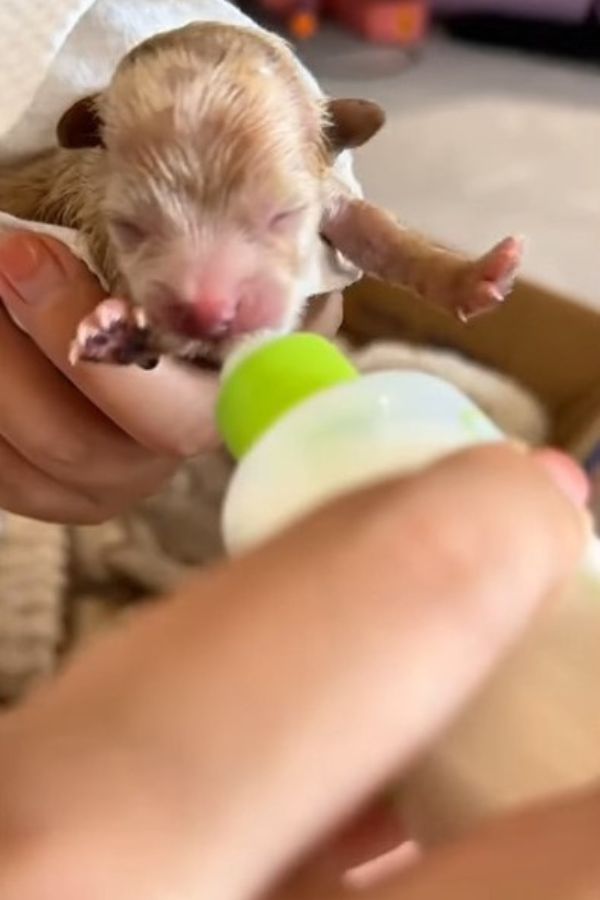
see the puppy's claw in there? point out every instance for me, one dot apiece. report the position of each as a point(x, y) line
point(140, 318)
point(490, 280)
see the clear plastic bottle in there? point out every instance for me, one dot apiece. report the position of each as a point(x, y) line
point(306, 427)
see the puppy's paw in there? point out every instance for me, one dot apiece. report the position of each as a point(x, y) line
point(490, 280)
point(114, 333)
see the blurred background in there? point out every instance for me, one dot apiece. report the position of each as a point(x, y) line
point(493, 117)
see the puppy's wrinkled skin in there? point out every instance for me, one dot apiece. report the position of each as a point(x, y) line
point(201, 178)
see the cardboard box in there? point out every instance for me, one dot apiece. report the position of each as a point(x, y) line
point(548, 342)
point(533, 731)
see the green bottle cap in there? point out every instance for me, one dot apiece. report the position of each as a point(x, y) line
point(263, 382)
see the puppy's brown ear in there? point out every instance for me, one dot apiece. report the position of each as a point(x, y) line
point(81, 125)
point(351, 123)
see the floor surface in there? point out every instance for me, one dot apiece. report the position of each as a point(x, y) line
point(480, 143)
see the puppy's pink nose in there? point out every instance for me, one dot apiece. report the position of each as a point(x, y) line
point(212, 313)
point(198, 319)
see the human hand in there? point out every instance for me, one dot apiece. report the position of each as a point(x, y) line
point(80, 444)
point(209, 746)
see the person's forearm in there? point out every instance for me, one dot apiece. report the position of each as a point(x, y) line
point(281, 674)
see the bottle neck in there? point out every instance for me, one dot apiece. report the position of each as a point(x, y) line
point(267, 377)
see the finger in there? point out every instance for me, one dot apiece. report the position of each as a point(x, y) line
point(361, 633)
point(566, 474)
point(52, 425)
point(49, 291)
point(353, 855)
point(27, 491)
point(312, 883)
point(375, 832)
point(550, 852)
point(391, 864)
point(374, 845)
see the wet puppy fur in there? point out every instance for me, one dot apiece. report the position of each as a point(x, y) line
point(202, 177)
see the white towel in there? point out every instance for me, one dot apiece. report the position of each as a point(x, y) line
point(56, 52)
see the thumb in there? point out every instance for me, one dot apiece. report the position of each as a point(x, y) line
point(46, 290)
point(34, 271)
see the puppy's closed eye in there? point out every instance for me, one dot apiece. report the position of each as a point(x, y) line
point(286, 219)
point(127, 232)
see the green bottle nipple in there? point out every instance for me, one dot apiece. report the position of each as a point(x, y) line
point(264, 380)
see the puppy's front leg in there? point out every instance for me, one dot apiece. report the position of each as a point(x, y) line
point(375, 242)
point(115, 333)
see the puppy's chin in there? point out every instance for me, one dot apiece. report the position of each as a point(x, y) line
point(200, 354)
point(201, 362)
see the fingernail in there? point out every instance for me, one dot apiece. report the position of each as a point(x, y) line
point(378, 871)
point(29, 267)
point(566, 474)
point(19, 258)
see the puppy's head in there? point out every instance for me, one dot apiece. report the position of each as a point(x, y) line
point(216, 159)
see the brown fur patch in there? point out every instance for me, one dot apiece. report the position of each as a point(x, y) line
point(81, 125)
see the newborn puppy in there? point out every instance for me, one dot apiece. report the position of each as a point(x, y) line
point(202, 177)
